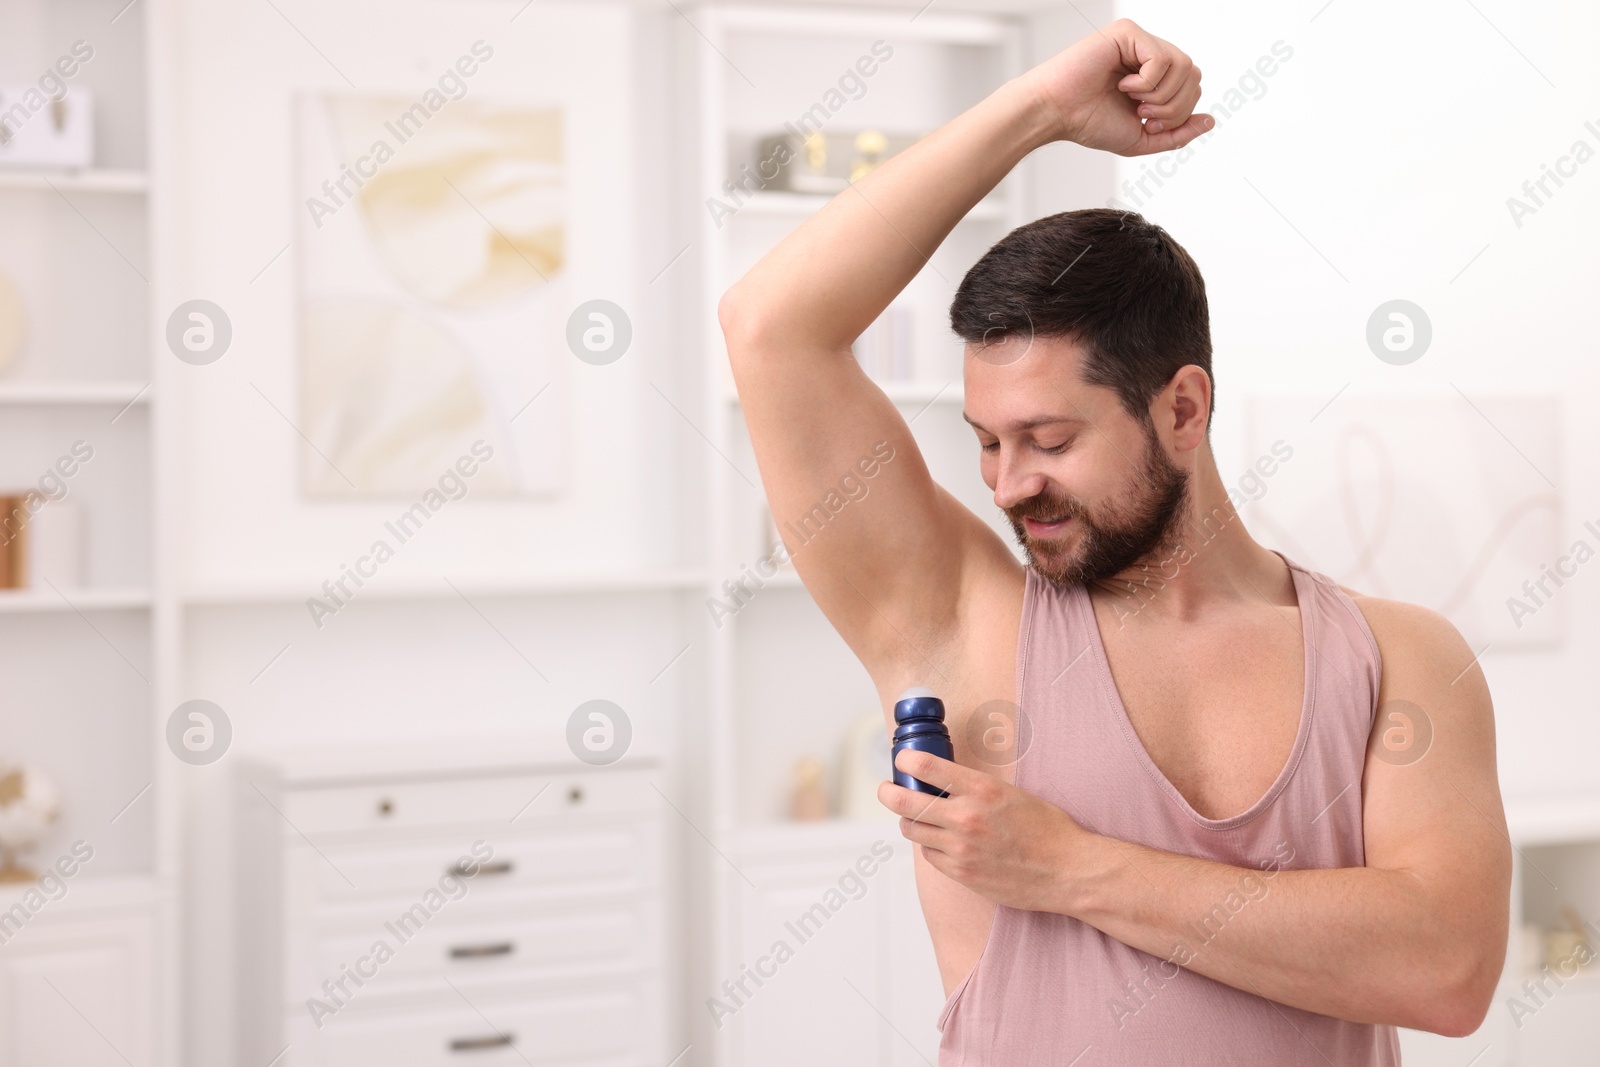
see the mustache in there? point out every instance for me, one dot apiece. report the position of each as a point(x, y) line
point(1047, 506)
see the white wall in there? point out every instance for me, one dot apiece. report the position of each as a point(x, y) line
point(1391, 141)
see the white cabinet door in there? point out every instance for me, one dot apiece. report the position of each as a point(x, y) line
point(76, 994)
point(1560, 1032)
point(915, 992)
point(846, 970)
point(817, 1003)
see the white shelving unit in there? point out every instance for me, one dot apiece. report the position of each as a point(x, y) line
point(135, 182)
point(60, 394)
point(665, 581)
point(90, 664)
point(799, 205)
point(782, 684)
point(21, 602)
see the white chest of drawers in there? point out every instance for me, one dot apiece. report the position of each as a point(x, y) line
point(450, 909)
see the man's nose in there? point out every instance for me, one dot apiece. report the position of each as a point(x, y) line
point(1017, 479)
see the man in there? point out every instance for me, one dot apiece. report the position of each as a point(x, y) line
point(1243, 814)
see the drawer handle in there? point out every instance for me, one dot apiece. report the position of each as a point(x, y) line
point(498, 867)
point(473, 952)
point(478, 1044)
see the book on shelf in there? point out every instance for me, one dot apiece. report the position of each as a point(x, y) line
point(13, 528)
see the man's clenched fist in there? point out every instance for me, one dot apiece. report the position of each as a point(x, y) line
point(1101, 88)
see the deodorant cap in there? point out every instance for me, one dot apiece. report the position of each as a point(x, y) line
point(918, 702)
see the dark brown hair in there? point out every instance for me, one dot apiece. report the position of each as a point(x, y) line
point(1117, 284)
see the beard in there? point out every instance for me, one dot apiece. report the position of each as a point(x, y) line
point(1117, 535)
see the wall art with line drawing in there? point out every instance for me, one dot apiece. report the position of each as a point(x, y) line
point(1446, 500)
point(431, 245)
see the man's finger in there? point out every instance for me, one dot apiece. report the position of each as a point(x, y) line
point(1151, 71)
point(936, 770)
point(1180, 107)
point(1167, 140)
point(932, 838)
point(910, 804)
point(1171, 84)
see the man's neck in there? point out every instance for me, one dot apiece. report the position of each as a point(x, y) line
point(1209, 560)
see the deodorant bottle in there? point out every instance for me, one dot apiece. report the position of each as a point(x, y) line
point(919, 724)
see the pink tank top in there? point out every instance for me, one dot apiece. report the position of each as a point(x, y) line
point(1052, 990)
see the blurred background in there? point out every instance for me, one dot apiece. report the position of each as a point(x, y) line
point(394, 661)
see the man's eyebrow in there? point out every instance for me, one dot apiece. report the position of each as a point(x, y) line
point(1028, 424)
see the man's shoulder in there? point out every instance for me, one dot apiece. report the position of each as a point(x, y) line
point(1401, 619)
point(1417, 644)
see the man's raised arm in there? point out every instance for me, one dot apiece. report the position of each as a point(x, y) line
point(889, 574)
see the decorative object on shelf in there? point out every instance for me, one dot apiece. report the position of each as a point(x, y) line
point(1575, 923)
point(13, 322)
point(13, 541)
point(38, 131)
point(1569, 947)
point(424, 326)
point(863, 765)
point(1565, 949)
point(884, 347)
point(808, 801)
point(29, 806)
point(819, 162)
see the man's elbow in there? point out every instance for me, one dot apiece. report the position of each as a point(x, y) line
point(738, 318)
point(1461, 994)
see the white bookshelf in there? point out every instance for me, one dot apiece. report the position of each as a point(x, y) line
point(971, 53)
point(911, 393)
point(450, 587)
point(23, 602)
point(115, 181)
point(781, 683)
point(89, 664)
point(61, 394)
point(798, 205)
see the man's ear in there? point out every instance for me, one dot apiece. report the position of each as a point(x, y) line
point(1187, 404)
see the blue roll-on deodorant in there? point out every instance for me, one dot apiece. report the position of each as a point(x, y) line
point(919, 724)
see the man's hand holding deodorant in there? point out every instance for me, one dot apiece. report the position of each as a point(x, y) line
point(999, 841)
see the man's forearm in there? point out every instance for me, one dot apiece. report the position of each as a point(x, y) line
point(1359, 943)
point(825, 283)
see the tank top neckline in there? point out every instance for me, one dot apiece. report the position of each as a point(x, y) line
point(1102, 666)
